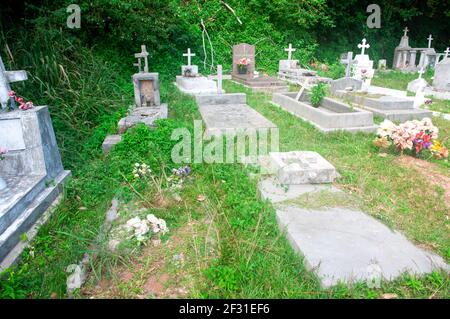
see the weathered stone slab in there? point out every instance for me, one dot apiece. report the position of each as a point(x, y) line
point(110, 141)
point(273, 190)
point(228, 118)
point(144, 115)
point(221, 99)
point(33, 173)
point(346, 245)
point(302, 167)
point(196, 85)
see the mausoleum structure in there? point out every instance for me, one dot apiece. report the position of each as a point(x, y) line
point(406, 57)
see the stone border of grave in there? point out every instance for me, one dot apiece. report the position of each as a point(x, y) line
point(330, 117)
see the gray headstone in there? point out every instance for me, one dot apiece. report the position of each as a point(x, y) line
point(244, 50)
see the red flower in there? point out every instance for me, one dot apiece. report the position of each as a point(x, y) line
point(19, 99)
point(12, 93)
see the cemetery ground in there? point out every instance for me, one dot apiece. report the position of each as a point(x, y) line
point(224, 240)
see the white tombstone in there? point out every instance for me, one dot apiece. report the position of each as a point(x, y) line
point(363, 70)
point(7, 77)
point(419, 83)
point(382, 64)
point(441, 81)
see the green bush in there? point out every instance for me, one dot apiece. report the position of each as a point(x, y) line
point(318, 92)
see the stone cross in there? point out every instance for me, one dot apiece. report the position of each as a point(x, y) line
point(7, 77)
point(430, 38)
point(348, 62)
point(142, 55)
point(363, 46)
point(189, 55)
point(289, 51)
point(303, 86)
point(219, 79)
point(421, 72)
point(406, 31)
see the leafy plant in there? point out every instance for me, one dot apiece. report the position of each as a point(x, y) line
point(318, 92)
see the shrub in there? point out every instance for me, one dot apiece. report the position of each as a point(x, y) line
point(318, 92)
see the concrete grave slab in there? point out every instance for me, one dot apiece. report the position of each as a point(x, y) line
point(228, 113)
point(273, 190)
point(144, 115)
point(110, 141)
point(343, 245)
point(302, 167)
point(196, 85)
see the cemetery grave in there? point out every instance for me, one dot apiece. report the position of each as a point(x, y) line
point(244, 56)
point(290, 71)
point(32, 173)
point(340, 244)
point(191, 82)
point(331, 115)
point(147, 106)
point(379, 101)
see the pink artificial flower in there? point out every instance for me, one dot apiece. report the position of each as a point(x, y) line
point(12, 93)
point(19, 99)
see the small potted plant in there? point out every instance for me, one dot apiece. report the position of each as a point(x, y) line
point(243, 65)
point(3, 151)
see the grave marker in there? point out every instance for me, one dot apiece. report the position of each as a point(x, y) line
point(7, 77)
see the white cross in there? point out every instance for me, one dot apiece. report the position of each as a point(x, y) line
point(406, 31)
point(421, 72)
point(7, 77)
point(142, 55)
point(219, 79)
point(447, 52)
point(189, 55)
point(363, 46)
point(289, 51)
point(430, 38)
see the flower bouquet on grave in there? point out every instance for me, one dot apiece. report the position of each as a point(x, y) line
point(415, 137)
point(22, 104)
point(3, 151)
point(243, 65)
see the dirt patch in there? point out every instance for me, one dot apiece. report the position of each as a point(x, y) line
point(430, 172)
point(155, 284)
point(167, 270)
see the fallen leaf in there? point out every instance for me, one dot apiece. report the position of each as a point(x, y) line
point(382, 155)
point(82, 208)
point(53, 295)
